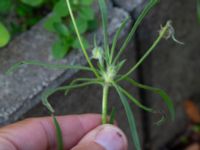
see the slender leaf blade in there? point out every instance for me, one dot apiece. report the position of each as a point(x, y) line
point(116, 37)
point(162, 93)
point(139, 20)
point(112, 115)
point(130, 117)
point(45, 65)
point(134, 100)
point(104, 15)
point(198, 10)
point(60, 145)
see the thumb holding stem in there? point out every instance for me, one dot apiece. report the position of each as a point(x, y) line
point(104, 137)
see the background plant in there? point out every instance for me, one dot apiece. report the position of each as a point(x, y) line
point(107, 73)
point(4, 35)
point(198, 10)
point(59, 22)
point(22, 14)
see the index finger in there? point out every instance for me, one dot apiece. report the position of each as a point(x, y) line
point(39, 133)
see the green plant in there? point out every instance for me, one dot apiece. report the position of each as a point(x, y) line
point(59, 23)
point(21, 15)
point(198, 10)
point(107, 73)
point(4, 35)
point(34, 3)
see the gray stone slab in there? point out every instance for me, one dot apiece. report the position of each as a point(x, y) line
point(21, 91)
point(128, 5)
point(172, 67)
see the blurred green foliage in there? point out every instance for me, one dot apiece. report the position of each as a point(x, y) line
point(21, 15)
point(198, 10)
point(4, 35)
point(59, 22)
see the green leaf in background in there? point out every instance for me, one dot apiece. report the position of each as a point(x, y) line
point(77, 45)
point(61, 9)
point(50, 22)
point(92, 25)
point(61, 29)
point(81, 24)
point(4, 35)
point(198, 10)
point(87, 2)
point(33, 3)
point(60, 49)
point(5, 6)
point(87, 13)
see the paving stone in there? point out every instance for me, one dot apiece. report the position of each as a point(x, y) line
point(175, 68)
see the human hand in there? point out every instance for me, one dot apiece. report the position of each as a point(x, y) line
point(80, 132)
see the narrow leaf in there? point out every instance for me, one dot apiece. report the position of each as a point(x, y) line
point(45, 65)
point(198, 10)
point(104, 16)
point(130, 117)
point(116, 37)
point(49, 92)
point(135, 100)
point(60, 145)
point(162, 93)
point(139, 20)
point(80, 39)
point(83, 80)
point(112, 116)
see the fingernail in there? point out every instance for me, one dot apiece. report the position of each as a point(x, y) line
point(111, 138)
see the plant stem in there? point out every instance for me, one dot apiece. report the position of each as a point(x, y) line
point(80, 39)
point(105, 103)
point(160, 37)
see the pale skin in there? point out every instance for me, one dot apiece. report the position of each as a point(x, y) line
point(39, 133)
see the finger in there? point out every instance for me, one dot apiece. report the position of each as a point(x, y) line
point(105, 137)
point(39, 133)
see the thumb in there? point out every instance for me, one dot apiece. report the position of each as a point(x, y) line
point(104, 137)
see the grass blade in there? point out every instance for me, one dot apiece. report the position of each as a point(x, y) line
point(80, 39)
point(162, 93)
point(135, 100)
point(163, 32)
point(45, 65)
point(49, 92)
point(116, 37)
point(130, 117)
point(198, 10)
point(60, 145)
point(74, 82)
point(104, 16)
point(112, 115)
point(146, 10)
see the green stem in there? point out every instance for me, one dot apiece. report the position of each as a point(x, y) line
point(105, 103)
point(163, 32)
point(80, 39)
